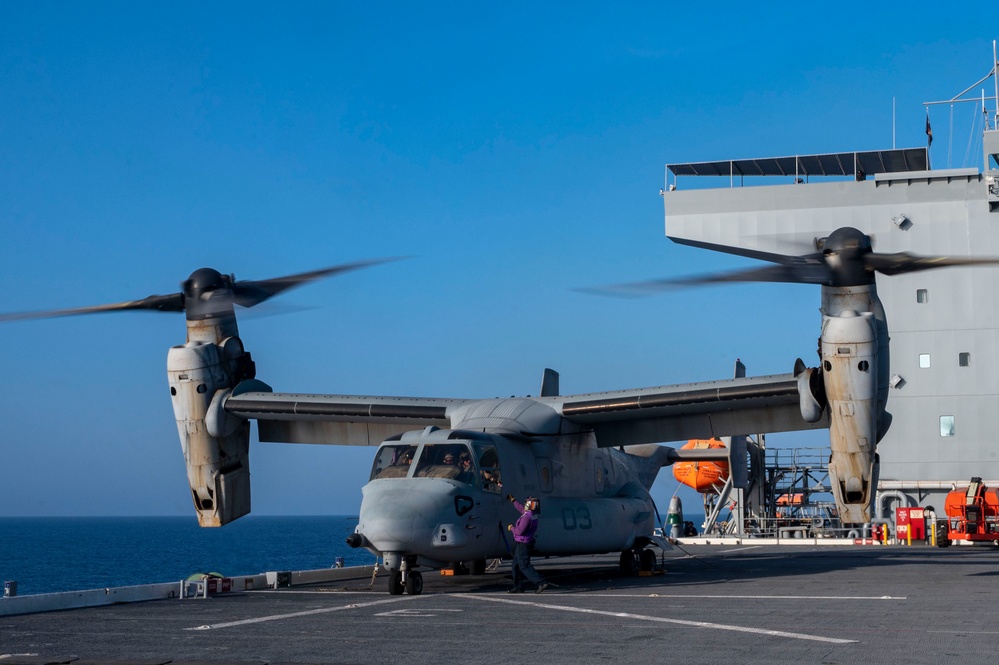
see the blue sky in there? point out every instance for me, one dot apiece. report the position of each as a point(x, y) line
point(514, 151)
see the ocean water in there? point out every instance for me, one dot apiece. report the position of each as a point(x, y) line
point(48, 554)
point(73, 553)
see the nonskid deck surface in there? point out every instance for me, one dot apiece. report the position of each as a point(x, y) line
point(756, 604)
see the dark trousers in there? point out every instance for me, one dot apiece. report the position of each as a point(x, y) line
point(522, 567)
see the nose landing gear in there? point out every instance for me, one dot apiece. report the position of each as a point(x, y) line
point(414, 583)
point(405, 579)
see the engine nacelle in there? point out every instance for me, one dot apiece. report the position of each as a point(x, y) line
point(216, 446)
point(849, 370)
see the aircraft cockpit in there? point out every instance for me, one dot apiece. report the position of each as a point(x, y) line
point(393, 461)
point(478, 465)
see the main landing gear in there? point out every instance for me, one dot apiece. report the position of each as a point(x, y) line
point(639, 561)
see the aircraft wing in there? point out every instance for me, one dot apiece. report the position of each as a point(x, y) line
point(691, 411)
point(619, 418)
point(350, 420)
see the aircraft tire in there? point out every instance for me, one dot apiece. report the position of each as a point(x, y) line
point(414, 583)
point(648, 560)
point(629, 565)
point(395, 583)
point(478, 567)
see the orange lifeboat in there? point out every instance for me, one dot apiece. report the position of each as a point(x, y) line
point(702, 476)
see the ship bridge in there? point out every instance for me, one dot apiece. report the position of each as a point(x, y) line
point(858, 165)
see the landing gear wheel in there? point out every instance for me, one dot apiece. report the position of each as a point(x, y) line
point(647, 561)
point(395, 583)
point(479, 567)
point(414, 583)
point(629, 563)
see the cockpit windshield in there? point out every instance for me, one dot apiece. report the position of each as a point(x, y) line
point(393, 461)
point(446, 460)
point(453, 461)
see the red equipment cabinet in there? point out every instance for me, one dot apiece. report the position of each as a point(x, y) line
point(910, 521)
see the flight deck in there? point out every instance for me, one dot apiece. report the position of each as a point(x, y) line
point(742, 603)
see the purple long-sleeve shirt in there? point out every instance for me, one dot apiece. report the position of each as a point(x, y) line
point(526, 525)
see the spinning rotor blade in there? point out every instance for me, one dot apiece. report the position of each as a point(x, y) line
point(846, 259)
point(206, 292)
point(250, 293)
point(903, 262)
point(805, 272)
point(171, 303)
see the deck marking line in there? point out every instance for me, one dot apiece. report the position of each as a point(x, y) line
point(739, 597)
point(406, 612)
point(681, 622)
point(304, 613)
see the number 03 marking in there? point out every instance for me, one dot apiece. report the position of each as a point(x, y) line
point(578, 518)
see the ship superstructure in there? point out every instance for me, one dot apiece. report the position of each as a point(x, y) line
point(944, 324)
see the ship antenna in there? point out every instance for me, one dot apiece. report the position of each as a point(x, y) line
point(995, 82)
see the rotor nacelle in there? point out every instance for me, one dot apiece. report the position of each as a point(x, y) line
point(215, 445)
point(849, 366)
point(202, 374)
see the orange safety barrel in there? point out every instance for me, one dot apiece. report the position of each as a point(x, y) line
point(702, 476)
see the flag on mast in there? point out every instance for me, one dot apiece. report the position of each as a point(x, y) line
point(929, 130)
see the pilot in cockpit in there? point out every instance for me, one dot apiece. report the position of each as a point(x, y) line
point(406, 458)
point(490, 473)
point(465, 472)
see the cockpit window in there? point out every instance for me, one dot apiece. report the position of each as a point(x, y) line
point(489, 469)
point(446, 460)
point(393, 461)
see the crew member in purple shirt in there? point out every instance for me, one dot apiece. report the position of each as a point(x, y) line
point(524, 532)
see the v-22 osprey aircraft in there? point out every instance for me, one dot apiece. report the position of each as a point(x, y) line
point(435, 496)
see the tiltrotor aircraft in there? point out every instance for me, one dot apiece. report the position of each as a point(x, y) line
point(443, 466)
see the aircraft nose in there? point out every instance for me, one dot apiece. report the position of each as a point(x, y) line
point(398, 519)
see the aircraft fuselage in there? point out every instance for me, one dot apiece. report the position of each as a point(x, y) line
point(439, 496)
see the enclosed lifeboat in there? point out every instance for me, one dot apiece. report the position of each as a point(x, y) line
point(702, 476)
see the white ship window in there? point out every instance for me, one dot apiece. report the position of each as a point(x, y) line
point(946, 425)
point(922, 296)
point(964, 359)
point(924, 360)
